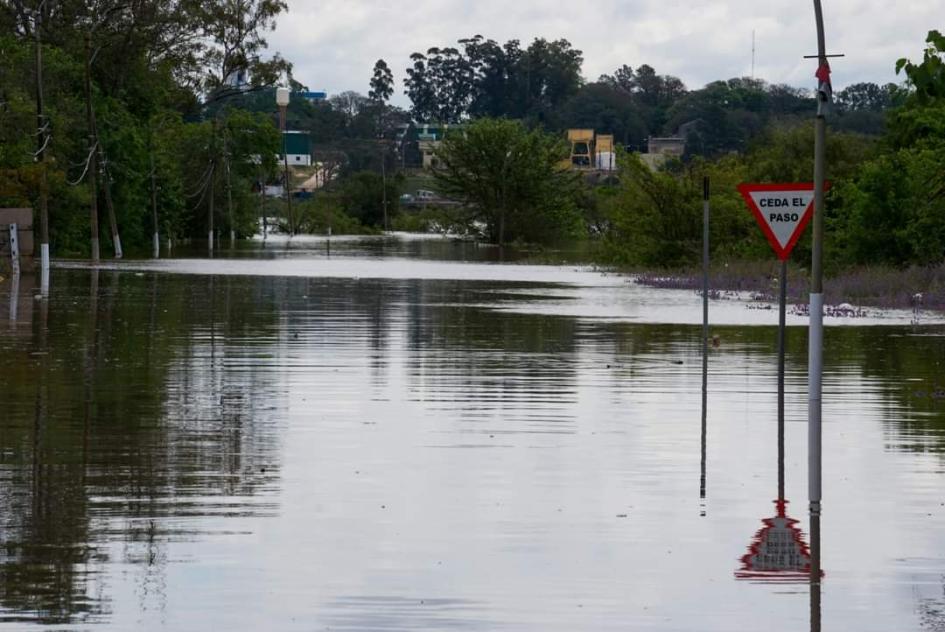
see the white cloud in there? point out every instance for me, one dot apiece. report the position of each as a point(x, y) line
point(334, 45)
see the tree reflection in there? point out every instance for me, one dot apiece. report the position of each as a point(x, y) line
point(122, 409)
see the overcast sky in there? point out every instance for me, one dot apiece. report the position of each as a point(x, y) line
point(334, 45)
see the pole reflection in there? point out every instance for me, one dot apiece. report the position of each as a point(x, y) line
point(778, 553)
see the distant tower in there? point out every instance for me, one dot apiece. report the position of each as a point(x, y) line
point(753, 53)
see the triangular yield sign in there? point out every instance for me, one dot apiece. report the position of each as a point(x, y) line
point(782, 210)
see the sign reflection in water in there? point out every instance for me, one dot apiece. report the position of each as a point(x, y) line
point(185, 451)
point(778, 553)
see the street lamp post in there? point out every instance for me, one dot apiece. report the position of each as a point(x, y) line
point(282, 100)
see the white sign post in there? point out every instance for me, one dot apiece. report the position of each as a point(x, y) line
point(783, 212)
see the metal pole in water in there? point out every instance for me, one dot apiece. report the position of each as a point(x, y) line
point(815, 355)
point(815, 574)
point(782, 308)
point(14, 299)
point(14, 251)
point(705, 271)
point(705, 327)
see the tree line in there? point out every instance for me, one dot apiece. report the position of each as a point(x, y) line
point(136, 118)
point(886, 205)
point(159, 117)
point(542, 85)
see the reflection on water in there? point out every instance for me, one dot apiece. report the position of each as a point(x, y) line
point(193, 451)
point(777, 553)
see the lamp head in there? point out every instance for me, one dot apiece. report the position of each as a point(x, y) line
point(282, 96)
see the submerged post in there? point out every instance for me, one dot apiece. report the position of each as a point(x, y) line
point(705, 327)
point(782, 313)
point(815, 574)
point(705, 269)
point(815, 355)
point(14, 299)
point(14, 251)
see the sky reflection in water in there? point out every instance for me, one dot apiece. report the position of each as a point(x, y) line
point(437, 445)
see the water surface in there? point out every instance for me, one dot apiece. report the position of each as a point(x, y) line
point(416, 435)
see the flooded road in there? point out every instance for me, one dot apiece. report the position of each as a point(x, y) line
point(412, 435)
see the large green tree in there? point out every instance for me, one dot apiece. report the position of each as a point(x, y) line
point(510, 181)
point(486, 79)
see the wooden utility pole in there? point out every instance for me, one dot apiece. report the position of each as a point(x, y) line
point(156, 239)
point(92, 167)
point(107, 188)
point(210, 207)
point(42, 140)
point(384, 187)
point(229, 192)
point(210, 183)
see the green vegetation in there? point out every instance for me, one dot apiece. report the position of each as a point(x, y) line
point(177, 116)
point(152, 116)
point(510, 181)
point(886, 205)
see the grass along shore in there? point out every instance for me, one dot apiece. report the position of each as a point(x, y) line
point(880, 287)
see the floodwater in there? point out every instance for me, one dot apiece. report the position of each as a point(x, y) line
point(411, 434)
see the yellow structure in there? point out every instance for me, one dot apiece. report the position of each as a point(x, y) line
point(604, 142)
point(582, 143)
point(605, 159)
point(590, 150)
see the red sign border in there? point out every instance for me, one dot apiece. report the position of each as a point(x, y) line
point(746, 189)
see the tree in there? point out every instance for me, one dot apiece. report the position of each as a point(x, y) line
point(440, 85)
point(495, 75)
point(349, 103)
point(363, 195)
point(655, 220)
point(510, 180)
point(927, 77)
point(547, 74)
point(233, 33)
point(382, 82)
point(865, 96)
point(651, 93)
point(608, 110)
point(484, 79)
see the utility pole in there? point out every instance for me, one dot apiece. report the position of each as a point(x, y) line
point(42, 140)
point(109, 205)
point(210, 183)
point(93, 150)
point(262, 201)
point(229, 195)
point(384, 187)
point(156, 240)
